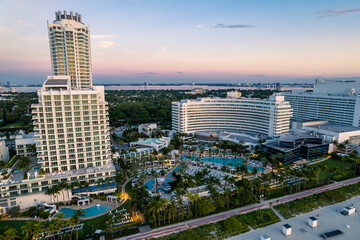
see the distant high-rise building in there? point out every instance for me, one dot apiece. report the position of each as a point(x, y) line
point(70, 50)
point(8, 84)
point(334, 101)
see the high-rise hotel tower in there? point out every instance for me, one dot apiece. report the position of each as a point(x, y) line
point(71, 119)
point(70, 48)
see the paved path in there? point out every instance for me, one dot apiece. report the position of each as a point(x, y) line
point(157, 232)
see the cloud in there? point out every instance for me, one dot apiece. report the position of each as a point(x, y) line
point(336, 12)
point(23, 23)
point(105, 44)
point(179, 72)
point(109, 36)
point(200, 26)
point(150, 73)
point(220, 25)
point(164, 48)
point(6, 30)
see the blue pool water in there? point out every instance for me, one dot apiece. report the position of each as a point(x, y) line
point(175, 170)
point(226, 162)
point(88, 212)
point(150, 184)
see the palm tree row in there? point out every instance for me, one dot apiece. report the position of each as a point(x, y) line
point(53, 230)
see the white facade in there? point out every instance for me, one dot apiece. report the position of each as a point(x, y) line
point(337, 87)
point(25, 144)
point(336, 109)
point(70, 49)
point(331, 132)
point(233, 94)
point(269, 117)
point(147, 128)
point(4, 152)
point(155, 143)
point(72, 126)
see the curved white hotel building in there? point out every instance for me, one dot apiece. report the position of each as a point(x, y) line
point(269, 117)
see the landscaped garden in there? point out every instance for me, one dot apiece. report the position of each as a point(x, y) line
point(259, 218)
point(229, 227)
point(310, 203)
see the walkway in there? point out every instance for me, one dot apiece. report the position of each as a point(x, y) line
point(221, 216)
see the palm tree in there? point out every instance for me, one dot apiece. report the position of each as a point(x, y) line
point(32, 229)
point(71, 224)
point(10, 234)
point(255, 171)
point(52, 230)
point(50, 192)
point(63, 186)
point(77, 215)
point(27, 230)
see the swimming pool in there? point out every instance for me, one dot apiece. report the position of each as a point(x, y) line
point(88, 212)
point(175, 170)
point(150, 184)
point(225, 161)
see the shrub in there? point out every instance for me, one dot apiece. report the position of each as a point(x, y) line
point(231, 225)
point(13, 211)
point(259, 218)
point(43, 214)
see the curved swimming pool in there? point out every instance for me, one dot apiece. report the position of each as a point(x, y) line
point(88, 212)
point(150, 184)
point(224, 161)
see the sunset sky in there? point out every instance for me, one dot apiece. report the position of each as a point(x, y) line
point(190, 41)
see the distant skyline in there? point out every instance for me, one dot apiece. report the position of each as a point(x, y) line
point(164, 41)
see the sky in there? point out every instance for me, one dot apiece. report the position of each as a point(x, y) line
point(185, 41)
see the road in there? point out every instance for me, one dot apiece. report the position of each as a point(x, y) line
point(157, 232)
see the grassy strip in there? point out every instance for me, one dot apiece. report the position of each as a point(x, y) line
point(308, 204)
point(229, 227)
point(16, 124)
point(259, 218)
point(219, 230)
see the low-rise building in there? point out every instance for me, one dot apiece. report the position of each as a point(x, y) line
point(147, 128)
point(4, 152)
point(155, 143)
point(25, 145)
point(296, 146)
point(331, 132)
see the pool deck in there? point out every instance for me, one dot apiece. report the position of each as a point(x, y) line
point(95, 201)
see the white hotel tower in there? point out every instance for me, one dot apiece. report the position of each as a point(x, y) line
point(71, 119)
point(269, 117)
point(71, 127)
point(70, 49)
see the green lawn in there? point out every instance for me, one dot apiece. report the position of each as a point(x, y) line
point(13, 125)
point(16, 224)
point(89, 225)
point(333, 163)
point(259, 218)
point(128, 187)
